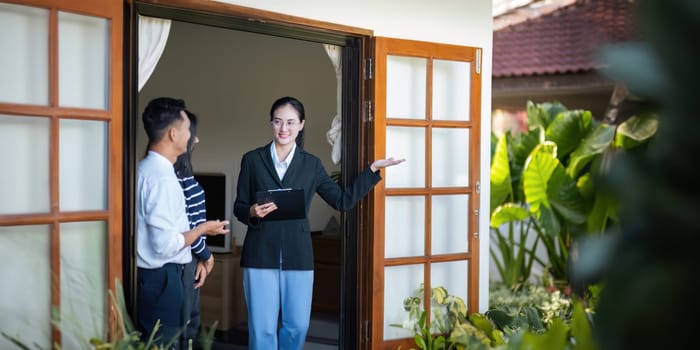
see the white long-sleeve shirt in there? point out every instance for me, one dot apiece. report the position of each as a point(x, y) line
point(160, 214)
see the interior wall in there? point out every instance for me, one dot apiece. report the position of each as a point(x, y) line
point(229, 79)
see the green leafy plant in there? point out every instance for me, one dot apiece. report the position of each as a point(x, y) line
point(449, 326)
point(125, 336)
point(650, 262)
point(543, 182)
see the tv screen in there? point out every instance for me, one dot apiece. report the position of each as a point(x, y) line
point(214, 186)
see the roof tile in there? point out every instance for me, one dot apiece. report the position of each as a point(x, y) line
point(562, 41)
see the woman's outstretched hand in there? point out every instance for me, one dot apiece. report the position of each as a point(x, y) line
point(383, 163)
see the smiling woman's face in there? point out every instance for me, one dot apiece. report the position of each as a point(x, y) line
point(286, 125)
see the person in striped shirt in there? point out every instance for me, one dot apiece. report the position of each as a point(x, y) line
point(202, 263)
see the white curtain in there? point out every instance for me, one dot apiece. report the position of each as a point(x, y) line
point(333, 135)
point(153, 35)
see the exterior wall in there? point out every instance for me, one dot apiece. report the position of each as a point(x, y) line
point(467, 23)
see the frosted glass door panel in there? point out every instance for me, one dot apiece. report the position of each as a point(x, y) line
point(450, 222)
point(83, 168)
point(408, 143)
point(405, 87)
point(83, 61)
point(405, 226)
point(400, 282)
point(25, 298)
point(24, 62)
point(450, 157)
point(451, 90)
point(83, 282)
point(24, 151)
point(453, 276)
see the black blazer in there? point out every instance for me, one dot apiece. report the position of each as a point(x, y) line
point(266, 239)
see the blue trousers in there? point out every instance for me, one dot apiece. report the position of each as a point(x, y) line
point(276, 295)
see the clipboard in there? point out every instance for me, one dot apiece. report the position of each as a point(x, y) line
point(290, 203)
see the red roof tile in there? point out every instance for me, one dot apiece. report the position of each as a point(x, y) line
point(563, 41)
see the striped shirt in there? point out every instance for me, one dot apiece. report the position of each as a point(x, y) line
point(196, 213)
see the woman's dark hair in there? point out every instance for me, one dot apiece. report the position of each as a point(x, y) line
point(298, 106)
point(183, 164)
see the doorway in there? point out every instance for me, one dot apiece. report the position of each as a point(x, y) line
point(229, 71)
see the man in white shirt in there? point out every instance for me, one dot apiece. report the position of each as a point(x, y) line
point(163, 237)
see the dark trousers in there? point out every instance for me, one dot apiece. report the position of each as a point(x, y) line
point(192, 306)
point(161, 296)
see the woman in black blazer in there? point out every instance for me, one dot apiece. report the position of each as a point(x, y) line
point(277, 258)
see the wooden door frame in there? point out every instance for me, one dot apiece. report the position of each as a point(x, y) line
point(430, 51)
point(112, 115)
point(357, 140)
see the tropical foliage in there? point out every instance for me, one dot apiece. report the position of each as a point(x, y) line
point(124, 336)
point(649, 266)
point(544, 182)
point(506, 327)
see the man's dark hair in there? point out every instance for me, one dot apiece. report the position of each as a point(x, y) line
point(159, 114)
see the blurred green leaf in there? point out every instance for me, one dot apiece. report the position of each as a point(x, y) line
point(501, 188)
point(568, 129)
point(508, 212)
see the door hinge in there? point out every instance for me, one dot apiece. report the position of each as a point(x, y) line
point(478, 61)
point(369, 69)
point(478, 187)
point(369, 111)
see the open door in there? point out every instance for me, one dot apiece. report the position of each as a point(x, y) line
point(61, 138)
point(427, 102)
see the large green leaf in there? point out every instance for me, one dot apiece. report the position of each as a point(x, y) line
point(636, 130)
point(501, 188)
point(536, 174)
point(594, 142)
point(586, 186)
point(565, 197)
point(581, 329)
point(553, 338)
point(549, 221)
point(604, 208)
point(524, 143)
point(508, 212)
point(568, 129)
point(540, 115)
point(520, 149)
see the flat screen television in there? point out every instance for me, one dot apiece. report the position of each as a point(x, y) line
point(214, 185)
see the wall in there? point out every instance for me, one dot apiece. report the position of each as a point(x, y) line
point(229, 79)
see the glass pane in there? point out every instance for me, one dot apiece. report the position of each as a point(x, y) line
point(83, 282)
point(404, 226)
point(24, 62)
point(451, 90)
point(83, 165)
point(83, 61)
point(25, 298)
point(450, 224)
point(24, 148)
point(453, 276)
point(400, 282)
point(408, 143)
point(405, 87)
point(450, 157)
